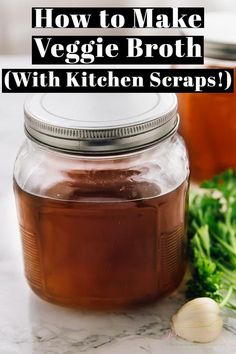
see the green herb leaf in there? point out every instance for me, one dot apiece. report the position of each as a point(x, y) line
point(212, 239)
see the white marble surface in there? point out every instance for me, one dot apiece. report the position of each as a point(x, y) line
point(29, 325)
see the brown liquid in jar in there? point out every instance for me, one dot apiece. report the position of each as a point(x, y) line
point(99, 248)
point(208, 125)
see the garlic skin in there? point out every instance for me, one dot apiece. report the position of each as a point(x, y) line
point(198, 320)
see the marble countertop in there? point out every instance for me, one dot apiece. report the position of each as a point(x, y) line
point(29, 325)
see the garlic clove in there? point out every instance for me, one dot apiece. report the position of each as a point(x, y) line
point(198, 321)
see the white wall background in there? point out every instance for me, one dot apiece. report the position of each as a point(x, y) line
point(15, 16)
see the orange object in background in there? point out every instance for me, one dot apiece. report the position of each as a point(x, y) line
point(208, 121)
point(209, 127)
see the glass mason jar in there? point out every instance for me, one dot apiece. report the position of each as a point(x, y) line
point(208, 121)
point(101, 187)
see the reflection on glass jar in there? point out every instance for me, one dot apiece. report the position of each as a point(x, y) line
point(208, 121)
point(101, 186)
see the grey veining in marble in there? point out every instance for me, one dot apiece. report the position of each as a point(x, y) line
point(29, 325)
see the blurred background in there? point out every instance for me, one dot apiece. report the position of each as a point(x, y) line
point(15, 16)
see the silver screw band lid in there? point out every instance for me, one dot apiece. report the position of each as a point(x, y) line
point(219, 35)
point(100, 123)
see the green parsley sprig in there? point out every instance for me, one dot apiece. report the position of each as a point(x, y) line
point(212, 240)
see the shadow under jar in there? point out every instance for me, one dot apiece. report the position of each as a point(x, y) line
point(208, 120)
point(101, 188)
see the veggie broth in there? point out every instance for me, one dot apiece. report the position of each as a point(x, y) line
point(141, 254)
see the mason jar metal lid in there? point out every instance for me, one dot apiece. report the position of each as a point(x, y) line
point(100, 123)
point(219, 35)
